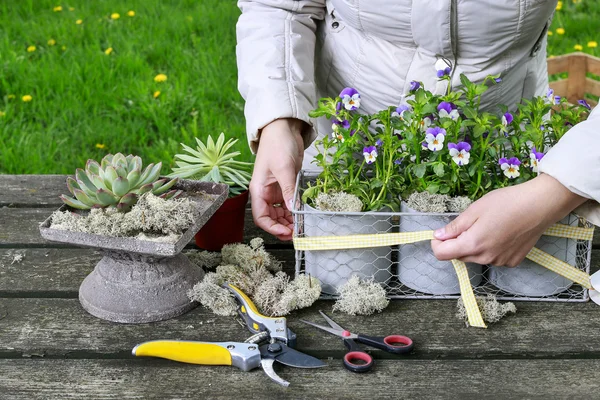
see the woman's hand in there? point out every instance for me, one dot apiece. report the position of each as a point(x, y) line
point(278, 160)
point(504, 225)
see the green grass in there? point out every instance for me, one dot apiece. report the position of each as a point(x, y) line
point(83, 99)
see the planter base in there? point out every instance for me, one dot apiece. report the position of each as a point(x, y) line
point(135, 288)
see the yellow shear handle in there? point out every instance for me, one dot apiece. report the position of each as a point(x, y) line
point(187, 352)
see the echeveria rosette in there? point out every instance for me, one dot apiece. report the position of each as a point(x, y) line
point(510, 167)
point(460, 152)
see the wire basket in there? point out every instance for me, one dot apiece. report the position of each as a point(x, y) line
point(412, 271)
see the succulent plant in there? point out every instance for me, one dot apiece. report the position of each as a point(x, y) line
point(211, 162)
point(117, 181)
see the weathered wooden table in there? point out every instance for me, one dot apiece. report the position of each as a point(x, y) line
point(51, 348)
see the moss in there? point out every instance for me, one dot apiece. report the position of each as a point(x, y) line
point(151, 216)
point(205, 259)
point(338, 202)
point(274, 295)
point(491, 310)
point(361, 297)
point(437, 203)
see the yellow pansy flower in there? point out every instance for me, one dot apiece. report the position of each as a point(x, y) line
point(108, 51)
point(31, 49)
point(593, 43)
point(560, 31)
point(578, 47)
point(156, 94)
point(51, 42)
point(131, 13)
point(27, 98)
point(160, 78)
point(115, 16)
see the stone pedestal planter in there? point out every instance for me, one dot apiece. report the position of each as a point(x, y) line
point(418, 268)
point(142, 280)
point(334, 267)
point(531, 279)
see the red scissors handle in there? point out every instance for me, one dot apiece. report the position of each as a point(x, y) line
point(396, 344)
point(357, 360)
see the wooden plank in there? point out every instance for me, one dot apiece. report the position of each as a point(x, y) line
point(20, 228)
point(593, 65)
point(158, 379)
point(61, 328)
point(560, 87)
point(59, 272)
point(557, 65)
point(577, 71)
point(32, 190)
point(592, 86)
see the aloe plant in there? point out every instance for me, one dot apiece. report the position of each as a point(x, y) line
point(117, 181)
point(214, 162)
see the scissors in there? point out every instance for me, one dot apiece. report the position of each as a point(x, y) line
point(396, 344)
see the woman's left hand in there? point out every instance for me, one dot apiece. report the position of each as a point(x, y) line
point(504, 225)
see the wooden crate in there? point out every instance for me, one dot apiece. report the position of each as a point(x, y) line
point(577, 84)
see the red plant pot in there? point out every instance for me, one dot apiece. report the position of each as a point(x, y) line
point(225, 226)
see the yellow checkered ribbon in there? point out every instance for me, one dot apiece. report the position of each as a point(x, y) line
point(544, 259)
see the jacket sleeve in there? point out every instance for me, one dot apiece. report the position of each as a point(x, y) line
point(275, 59)
point(575, 162)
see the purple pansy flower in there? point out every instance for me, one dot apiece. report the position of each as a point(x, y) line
point(460, 152)
point(378, 143)
point(370, 153)
point(400, 111)
point(535, 158)
point(556, 100)
point(584, 103)
point(510, 167)
point(336, 124)
point(435, 138)
point(350, 98)
point(397, 161)
point(507, 119)
point(414, 85)
point(550, 94)
point(447, 110)
point(443, 72)
point(498, 80)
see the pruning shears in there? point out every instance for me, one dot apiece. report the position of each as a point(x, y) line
point(271, 341)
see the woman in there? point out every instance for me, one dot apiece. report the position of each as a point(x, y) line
point(291, 52)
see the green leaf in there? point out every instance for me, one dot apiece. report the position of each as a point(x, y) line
point(120, 186)
point(472, 169)
point(439, 169)
point(469, 112)
point(106, 198)
point(465, 81)
point(73, 202)
point(444, 189)
point(420, 170)
point(492, 152)
point(433, 188)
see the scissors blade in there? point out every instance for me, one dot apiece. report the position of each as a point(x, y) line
point(331, 322)
point(333, 331)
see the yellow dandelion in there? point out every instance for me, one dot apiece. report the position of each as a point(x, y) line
point(64, 48)
point(71, 8)
point(108, 51)
point(156, 94)
point(592, 44)
point(11, 97)
point(560, 31)
point(27, 98)
point(559, 6)
point(115, 16)
point(100, 145)
point(578, 47)
point(57, 9)
point(160, 78)
point(51, 42)
point(2, 114)
point(79, 22)
point(31, 49)
point(131, 13)
point(550, 33)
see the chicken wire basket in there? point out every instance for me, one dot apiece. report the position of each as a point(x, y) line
point(411, 271)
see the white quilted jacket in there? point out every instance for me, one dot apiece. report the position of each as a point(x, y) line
point(291, 52)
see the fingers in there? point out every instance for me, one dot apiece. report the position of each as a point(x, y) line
point(265, 217)
point(459, 225)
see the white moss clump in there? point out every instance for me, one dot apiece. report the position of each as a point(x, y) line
point(205, 259)
point(338, 202)
point(437, 203)
point(151, 215)
point(247, 269)
point(250, 258)
point(211, 294)
point(491, 310)
point(361, 297)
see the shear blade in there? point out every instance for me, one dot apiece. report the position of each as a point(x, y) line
point(267, 366)
point(294, 358)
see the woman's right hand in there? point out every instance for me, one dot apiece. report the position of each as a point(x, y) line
point(278, 160)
